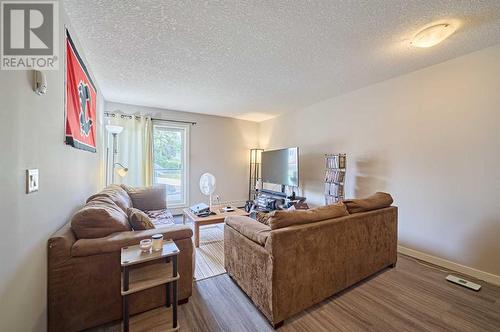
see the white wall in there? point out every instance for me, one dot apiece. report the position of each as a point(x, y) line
point(218, 145)
point(430, 138)
point(31, 136)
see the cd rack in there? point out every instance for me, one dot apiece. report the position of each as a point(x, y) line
point(335, 177)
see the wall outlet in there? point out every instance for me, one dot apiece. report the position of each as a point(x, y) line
point(31, 180)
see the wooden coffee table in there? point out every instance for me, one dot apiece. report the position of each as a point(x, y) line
point(216, 218)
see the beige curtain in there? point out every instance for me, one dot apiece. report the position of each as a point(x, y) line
point(148, 155)
point(135, 149)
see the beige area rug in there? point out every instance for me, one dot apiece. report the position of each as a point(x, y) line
point(210, 254)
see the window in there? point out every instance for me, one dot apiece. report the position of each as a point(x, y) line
point(171, 160)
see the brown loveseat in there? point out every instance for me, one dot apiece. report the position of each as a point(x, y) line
point(84, 273)
point(297, 262)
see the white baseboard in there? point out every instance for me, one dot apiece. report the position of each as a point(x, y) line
point(478, 274)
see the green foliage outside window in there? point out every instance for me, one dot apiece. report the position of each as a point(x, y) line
point(167, 149)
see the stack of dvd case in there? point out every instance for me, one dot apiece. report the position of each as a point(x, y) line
point(335, 177)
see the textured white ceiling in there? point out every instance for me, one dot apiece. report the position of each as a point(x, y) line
point(257, 59)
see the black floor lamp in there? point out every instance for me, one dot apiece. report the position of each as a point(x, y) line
point(255, 160)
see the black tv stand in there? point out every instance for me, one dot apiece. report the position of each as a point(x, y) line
point(282, 194)
point(269, 200)
point(273, 193)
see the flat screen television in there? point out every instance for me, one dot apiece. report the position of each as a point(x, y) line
point(281, 167)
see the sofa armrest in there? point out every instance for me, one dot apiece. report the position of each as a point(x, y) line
point(116, 241)
point(251, 266)
point(313, 261)
point(249, 228)
point(60, 244)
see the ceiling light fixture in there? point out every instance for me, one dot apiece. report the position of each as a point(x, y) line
point(432, 35)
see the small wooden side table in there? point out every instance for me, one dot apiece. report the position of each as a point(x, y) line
point(138, 278)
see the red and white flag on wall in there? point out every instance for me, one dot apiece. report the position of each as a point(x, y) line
point(80, 101)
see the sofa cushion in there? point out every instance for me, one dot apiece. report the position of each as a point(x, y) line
point(376, 201)
point(98, 218)
point(139, 220)
point(161, 217)
point(148, 198)
point(283, 218)
point(250, 228)
point(117, 194)
point(114, 242)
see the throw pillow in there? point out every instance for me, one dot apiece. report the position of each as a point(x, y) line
point(376, 201)
point(263, 217)
point(148, 198)
point(160, 218)
point(139, 220)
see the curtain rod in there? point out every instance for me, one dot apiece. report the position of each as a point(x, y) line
point(111, 114)
point(177, 121)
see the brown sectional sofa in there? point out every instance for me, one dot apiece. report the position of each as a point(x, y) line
point(286, 270)
point(84, 274)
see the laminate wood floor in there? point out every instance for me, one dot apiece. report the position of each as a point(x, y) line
point(411, 297)
point(210, 255)
point(209, 260)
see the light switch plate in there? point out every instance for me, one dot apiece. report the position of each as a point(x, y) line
point(31, 180)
